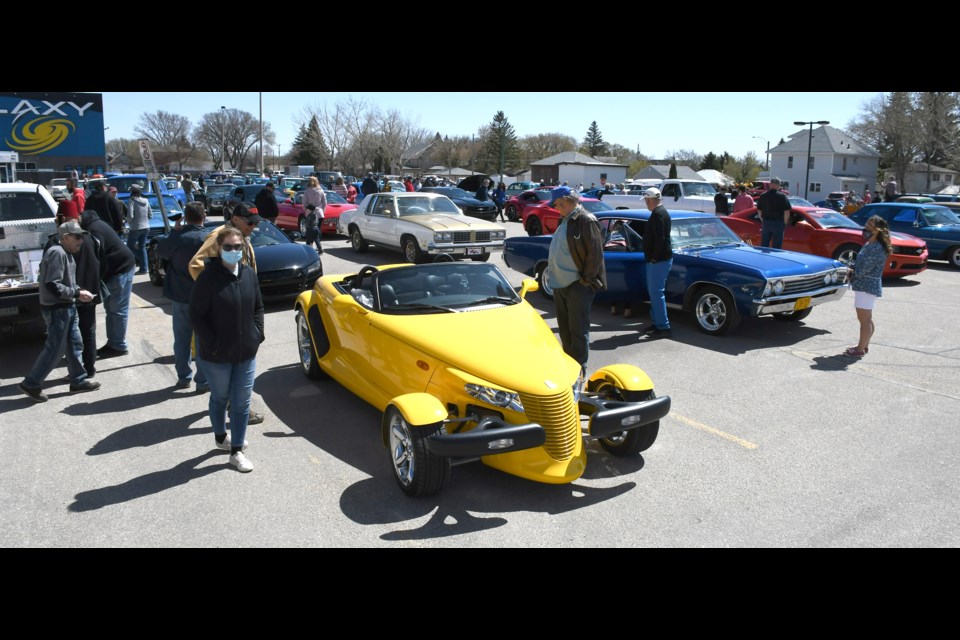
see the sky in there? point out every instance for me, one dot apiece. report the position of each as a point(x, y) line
point(655, 122)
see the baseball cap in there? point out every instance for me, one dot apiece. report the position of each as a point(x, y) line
point(774, 180)
point(248, 216)
point(653, 193)
point(71, 227)
point(558, 193)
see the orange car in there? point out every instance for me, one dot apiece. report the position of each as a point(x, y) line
point(829, 233)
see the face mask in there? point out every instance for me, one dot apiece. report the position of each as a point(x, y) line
point(867, 233)
point(231, 258)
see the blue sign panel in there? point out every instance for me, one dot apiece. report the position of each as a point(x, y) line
point(52, 124)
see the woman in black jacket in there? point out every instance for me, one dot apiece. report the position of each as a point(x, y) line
point(226, 312)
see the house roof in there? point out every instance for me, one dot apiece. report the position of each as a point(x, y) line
point(921, 167)
point(567, 157)
point(716, 177)
point(662, 171)
point(825, 139)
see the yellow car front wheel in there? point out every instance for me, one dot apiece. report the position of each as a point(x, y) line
point(633, 441)
point(419, 472)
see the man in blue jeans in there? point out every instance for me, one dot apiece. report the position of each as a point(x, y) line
point(658, 253)
point(774, 208)
point(116, 271)
point(177, 249)
point(59, 293)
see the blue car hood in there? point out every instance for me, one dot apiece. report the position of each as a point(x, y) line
point(772, 262)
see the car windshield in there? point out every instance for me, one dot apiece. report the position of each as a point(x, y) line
point(695, 189)
point(796, 201)
point(220, 190)
point(593, 206)
point(443, 287)
point(700, 233)
point(122, 183)
point(419, 205)
point(266, 234)
point(333, 198)
point(940, 215)
point(453, 192)
point(169, 202)
point(830, 219)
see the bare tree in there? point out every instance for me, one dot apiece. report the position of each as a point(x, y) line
point(936, 114)
point(453, 151)
point(169, 132)
point(123, 154)
point(544, 145)
point(685, 157)
point(745, 169)
point(210, 135)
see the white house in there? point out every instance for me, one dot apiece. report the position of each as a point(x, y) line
point(576, 168)
point(837, 163)
point(915, 179)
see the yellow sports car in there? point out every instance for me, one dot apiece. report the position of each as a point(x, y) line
point(425, 345)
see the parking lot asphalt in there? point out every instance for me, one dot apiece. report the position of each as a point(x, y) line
point(775, 439)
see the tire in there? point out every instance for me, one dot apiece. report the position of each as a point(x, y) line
point(482, 258)
point(357, 242)
point(153, 268)
point(543, 279)
point(534, 228)
point(308, 355)
point(846, 253)
point(792, 316)
point(302, 226)
point(953, 255)
point(418, 472)
point(411, 250)
point(715, 311)
point(512, 213)
point(633, 441)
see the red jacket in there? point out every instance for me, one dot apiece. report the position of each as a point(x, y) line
point(409, 185)
point(67, 210)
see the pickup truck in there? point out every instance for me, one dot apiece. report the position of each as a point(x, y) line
point(685, 195)
point(27, 219)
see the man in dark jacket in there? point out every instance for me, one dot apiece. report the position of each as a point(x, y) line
point(369, 185)
point(106, 205)
point(577, 271)
point(720, 203)
point(116, 272)
point(266, 203)
point(658, 253)
point(774, 209)
point(176, 250)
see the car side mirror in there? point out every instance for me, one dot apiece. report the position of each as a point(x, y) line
point(528, 285)
point(676, 197)
point(916, 223)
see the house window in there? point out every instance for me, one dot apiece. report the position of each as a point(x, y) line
point(844, 164)
point(935, 177)
point(26, 166)
point(815, 187)
point(789, 162)
point(785, 185)
point(854, 161)
point(948, 178)
point(810, 162)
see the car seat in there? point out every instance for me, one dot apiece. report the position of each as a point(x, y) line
point(388, 297)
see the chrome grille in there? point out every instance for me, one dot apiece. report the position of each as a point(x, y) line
point(802, 284)
point(560, 419)
point(907, 251)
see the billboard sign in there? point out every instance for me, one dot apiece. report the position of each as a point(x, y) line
point(52, 124)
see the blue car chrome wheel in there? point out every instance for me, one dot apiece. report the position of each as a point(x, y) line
point(715, 310)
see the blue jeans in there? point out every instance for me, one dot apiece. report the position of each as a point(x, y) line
point(117, 307)
point(63, 338)
point(137, 242)
point(233, 382)
point(182, 339)
point(772, 229)
point(573, 319)
point(656, 273)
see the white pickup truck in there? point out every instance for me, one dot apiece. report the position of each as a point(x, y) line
point(685, 195)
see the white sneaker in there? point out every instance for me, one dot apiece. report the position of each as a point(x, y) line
point(240, 462)
point(226, 446)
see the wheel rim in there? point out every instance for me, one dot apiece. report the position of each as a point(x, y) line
point(511, 212)
point(534, 225)
point(401, 447)
point(711, 312)
point(545, 281)
point(609, 392)
point(955, 256)
point(303, 226)
point(355, 239)
point(847, 256)
point(304, 342)
point(410, 250)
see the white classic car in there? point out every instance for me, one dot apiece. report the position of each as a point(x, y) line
point(419, 225)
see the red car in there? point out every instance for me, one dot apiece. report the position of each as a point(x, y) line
point(292, 217)
point(516, 204)
point(541, 218)
point(828, 233)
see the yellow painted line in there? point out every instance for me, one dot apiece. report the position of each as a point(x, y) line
point(746, 444)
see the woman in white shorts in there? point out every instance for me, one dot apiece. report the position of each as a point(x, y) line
point(866, 283)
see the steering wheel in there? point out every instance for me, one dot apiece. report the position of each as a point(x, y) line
point(363, 273)
point(415, 210)
point(444, 257)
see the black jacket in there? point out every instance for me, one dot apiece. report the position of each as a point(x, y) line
point(266, 204)
point(656, 236)
point(177, 249)
point(772, 204)
point(721, 204)
point(369, 186)
point(226, 313)
point(115, 256)
point(109, 209)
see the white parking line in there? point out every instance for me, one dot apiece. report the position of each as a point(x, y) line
point(746, 444)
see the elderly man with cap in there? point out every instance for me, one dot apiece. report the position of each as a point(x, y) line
point(658, 254)
point(576, 269)
point(774, 208)
point(59, 293)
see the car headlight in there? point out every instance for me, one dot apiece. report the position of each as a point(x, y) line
point(767, 289)
point(830, 277)
point(314, 268)
point(496, 397)
point(443, 236)
point(498, 235)
point(778, 287)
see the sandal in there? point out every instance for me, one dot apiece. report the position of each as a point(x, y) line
point(855, 352)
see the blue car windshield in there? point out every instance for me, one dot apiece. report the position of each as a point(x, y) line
point(940, 215)
point(699, 233)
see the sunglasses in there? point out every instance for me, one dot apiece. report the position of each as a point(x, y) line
point(232, 247)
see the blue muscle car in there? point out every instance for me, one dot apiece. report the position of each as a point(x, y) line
point(715, 275)
point(931, 221)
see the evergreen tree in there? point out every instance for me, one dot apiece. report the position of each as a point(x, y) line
point(673, 171)
point(711, 161)
point(297, 150)
point(500, 144)
point(593, 144)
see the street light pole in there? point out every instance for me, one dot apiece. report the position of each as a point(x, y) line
point(768, 153)
point(223, 140)
point(806, 181)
